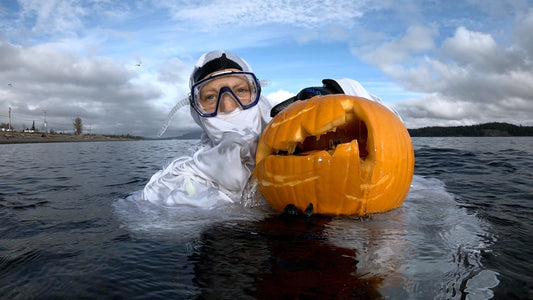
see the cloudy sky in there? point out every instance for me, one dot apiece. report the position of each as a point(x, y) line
point(122, 65)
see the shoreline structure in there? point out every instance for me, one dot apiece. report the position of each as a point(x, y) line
point(37, 137)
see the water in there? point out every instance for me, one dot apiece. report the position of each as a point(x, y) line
point(67, 230)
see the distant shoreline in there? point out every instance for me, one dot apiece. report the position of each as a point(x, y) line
point(480, 130)
point(36, 137)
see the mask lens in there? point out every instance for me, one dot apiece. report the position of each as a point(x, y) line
point(242, 87)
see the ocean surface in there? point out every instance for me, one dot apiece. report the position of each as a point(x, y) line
point(69, 230)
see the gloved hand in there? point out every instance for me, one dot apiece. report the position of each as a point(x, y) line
point(330, 87)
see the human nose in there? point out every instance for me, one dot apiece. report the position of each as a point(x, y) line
point(227, 103)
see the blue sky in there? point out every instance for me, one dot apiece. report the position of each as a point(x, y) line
point(122, 65)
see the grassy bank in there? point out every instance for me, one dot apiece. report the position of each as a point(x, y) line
point(19, 137)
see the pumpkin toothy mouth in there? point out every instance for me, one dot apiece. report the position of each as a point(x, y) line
point(353, 129)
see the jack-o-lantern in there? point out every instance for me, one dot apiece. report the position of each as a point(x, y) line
point(346, 155)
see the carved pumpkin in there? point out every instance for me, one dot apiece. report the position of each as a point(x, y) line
point(346, 155)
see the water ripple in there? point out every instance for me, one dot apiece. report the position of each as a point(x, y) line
point(67, 230)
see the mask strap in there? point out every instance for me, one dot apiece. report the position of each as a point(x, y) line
point(182, 103)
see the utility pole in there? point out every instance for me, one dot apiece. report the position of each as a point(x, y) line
point(44, 123)
point(10, 119)
point(10, 126)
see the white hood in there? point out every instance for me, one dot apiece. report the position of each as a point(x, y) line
point(354, 88)
point(222, 164)
point(240, 121)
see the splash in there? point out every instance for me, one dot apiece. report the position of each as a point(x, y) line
point(184, 221)
point(430, 247)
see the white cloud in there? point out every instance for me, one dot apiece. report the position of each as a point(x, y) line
point(69, 17)
point(77, 57)
point(500, 8)
point(470, 76)
point(279, 96)
point(438, 110)
point(476, 49)
point(212, 15)
point(523, 36)
point(173, 72)
point(417, 40)
point(100, 90)
point(53, 16)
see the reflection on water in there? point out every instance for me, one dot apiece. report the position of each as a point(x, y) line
point(277, 257)
point(427, 248)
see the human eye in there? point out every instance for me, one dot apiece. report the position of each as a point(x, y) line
point(242, 90)
point(210, 98)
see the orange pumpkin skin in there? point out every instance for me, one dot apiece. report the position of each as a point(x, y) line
point(346, 155)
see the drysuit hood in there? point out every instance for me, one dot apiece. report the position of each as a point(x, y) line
point(238, 121)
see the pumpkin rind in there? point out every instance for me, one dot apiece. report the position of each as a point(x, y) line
point(367, 169)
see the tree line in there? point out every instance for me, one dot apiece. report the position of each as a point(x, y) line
point(486, 129)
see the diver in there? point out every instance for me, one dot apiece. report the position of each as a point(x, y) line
point(226, 102)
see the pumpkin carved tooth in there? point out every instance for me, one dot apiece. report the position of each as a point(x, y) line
point(343, 154)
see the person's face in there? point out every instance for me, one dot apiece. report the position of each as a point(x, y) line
point(209, 93)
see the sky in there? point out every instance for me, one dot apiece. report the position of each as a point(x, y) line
point(121, 66)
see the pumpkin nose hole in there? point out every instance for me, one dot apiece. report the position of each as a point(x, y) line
point(354, 130)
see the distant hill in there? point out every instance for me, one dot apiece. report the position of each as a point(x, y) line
point(15, 137)
point(189, 135)
point(487, 129)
